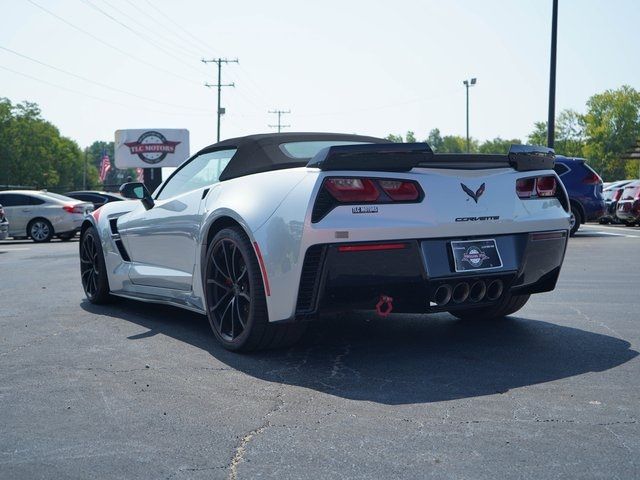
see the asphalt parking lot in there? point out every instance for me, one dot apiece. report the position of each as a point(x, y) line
point(132, 390)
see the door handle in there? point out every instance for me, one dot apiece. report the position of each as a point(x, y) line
point(26, 209)
point(204, 193)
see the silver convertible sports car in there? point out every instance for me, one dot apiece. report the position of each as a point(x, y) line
point(261, 233)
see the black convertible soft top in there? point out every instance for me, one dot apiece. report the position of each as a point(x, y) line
point(262, 152)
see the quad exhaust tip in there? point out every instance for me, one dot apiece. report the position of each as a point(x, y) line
point(463, 291)
point(460, 292)
point(477, 291)
point(494, 290)
point(442, 295)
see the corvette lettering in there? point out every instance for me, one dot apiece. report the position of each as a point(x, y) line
point(477, 219)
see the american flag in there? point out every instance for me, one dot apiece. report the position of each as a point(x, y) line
point(105, 166)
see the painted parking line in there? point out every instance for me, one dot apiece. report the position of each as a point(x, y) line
point(13, 249)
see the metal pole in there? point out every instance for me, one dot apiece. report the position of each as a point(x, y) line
point(551, 123)
point(219, 93)
point(84, 174)
point(467, 85)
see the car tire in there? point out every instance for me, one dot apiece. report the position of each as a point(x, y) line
point(93, 270)
point(235, 298)
point(508, 305)
point(40, 230)
point(575, 220)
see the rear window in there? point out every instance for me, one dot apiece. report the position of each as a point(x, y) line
point(561, 168)
point(309, 150)
point(631, 192)
point(58, 196)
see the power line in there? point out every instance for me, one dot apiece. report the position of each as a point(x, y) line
point(113, 47)
point(138, 34)
point(161, 38)
point(219, 85)
point(172, 20)
point(84, 94)
point(171, 24)
point(279, 126)
point(94, 82)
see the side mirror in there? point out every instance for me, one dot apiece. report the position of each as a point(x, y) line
point(137, 191)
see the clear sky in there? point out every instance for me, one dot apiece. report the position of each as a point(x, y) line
point(371, 67)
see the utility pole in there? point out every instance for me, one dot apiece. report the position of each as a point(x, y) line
point(219, 85)
point(279, 126)
point(551, 123)
point(468, 83)
point(84, 174)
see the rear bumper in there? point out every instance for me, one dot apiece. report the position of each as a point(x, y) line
point(4, 230)
point(333, 278)
point(629, 210)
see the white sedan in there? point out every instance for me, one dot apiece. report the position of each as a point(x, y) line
point(41, 215)
point(261, 233)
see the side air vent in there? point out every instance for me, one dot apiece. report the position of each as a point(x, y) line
point(115, 236)
point(310, 280)
point(324, 204)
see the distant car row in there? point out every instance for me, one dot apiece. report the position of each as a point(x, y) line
point(42, 215)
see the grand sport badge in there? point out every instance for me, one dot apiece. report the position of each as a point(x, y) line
point(152, 147)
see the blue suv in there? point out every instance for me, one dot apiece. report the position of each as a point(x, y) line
point(584, 187)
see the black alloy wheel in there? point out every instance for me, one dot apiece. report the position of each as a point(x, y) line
point(235, 296)
point(92, 268)
point(230, 289)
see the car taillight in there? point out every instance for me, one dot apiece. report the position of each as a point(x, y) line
point(617, 194)
point(546, 186)
point(352, 189)
point(592, 178)
point(73, 208)
point(400, 191)
point(525, 187)
point(358, 190)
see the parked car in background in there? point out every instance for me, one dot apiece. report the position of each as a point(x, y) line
point(42, 215)
point(96, 197)
point(611, 195)
point(4, 225)
point(629, 204)
point(584, 187)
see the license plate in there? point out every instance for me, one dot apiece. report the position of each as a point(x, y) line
point(476, 255)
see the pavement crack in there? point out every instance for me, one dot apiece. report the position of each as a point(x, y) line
point(596, 322)
point(241, 448)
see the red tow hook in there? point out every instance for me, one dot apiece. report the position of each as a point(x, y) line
point(384, 306)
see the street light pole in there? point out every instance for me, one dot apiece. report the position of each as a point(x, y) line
point(467, 84)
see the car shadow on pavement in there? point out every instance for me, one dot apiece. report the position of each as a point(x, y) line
point(401, 359)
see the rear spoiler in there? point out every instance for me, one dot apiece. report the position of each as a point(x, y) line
point(402, 157)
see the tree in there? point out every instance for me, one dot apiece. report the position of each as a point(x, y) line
point(410, 138)
point(435, 140)
point(33, 153)
point(457, 144)
point(497, 145)
point(612, 126)
point(569, 134)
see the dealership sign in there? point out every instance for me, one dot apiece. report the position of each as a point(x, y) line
point(151, 148)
